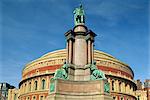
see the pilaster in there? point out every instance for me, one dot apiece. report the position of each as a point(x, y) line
point(116, 86)
point(39, 84)
point(47, 82)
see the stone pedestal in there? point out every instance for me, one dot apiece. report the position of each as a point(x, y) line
point(79, 90)
point(78, 73)
point(79, 52)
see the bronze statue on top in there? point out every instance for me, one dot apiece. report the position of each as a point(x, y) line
point(79, 15)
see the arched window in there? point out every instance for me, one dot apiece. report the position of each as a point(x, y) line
point(114, 98)
point(121, 98)
point(119, 86)
point(126, 87)
point(35, 85)
point(112, 84)
point(25, 88)
point(34, 98)
point(138, 98)
point(130, 87)
point(43, 84)
point(41, 98)
point(30, 86)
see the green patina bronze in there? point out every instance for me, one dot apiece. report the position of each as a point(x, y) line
point(96, 74)
point(52, 85)
point(61, 73)
point(107, 87)
point(79, 15)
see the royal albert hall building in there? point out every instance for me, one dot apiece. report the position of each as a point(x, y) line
point(36, 76)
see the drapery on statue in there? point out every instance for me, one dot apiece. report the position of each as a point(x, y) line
point(79, 16)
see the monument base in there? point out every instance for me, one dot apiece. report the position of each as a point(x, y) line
point(79, 90)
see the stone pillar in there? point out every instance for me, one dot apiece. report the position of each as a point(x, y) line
point(70, 51)
point(89, 52)
point(12, 94)
point(69, 46)
point(20, 90)
point(67, 50)
point(131, 90)
point(90, 41)
point(116, 86)
point(39, 84)
point(80, 52)
point(27, 86)
point(92, 47)
point(32, 85)
point(9, 94)
point(80, 45)
point(23, 88)
point(127, 88)
point(47, 82)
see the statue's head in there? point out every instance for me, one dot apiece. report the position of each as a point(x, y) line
point(81, 6)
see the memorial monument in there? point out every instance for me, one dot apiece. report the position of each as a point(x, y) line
point(79, 77)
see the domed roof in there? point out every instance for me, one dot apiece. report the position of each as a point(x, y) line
point(62, 53)
point(55, 59)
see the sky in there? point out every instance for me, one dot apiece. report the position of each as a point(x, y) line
point(32, 28)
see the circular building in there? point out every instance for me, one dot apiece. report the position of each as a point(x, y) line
point(36, 75)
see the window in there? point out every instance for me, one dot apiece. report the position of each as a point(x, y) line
point(34, 98)
point(130, 87)
point(138, 98)
point(121, 98)
point(112, 84)
point(114, 98)
point(120, 87)
point(35, 85)
point(125, 87)
point(25, 88)
point(41, 98)
point(30, 86)
point(43, 84)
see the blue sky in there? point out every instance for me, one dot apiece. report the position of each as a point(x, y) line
point(31, 28)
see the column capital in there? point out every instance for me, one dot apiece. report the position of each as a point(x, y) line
point(90, 35)
point(69, 35)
